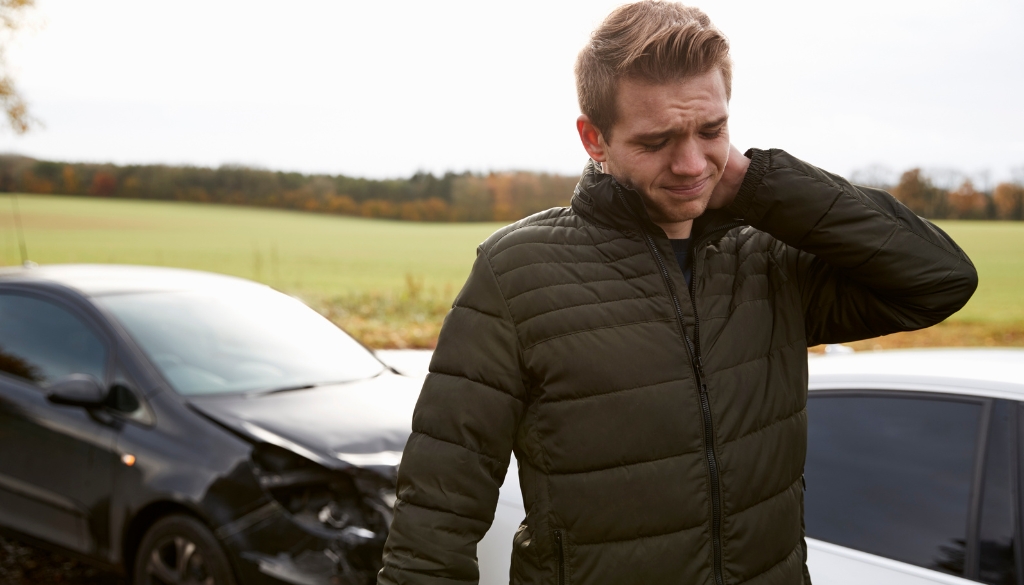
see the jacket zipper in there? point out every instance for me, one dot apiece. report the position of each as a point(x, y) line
point(705, 407)
point(709, 444)
point(698, 371)
point(561, 557)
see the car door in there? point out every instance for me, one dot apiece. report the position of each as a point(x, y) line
point(910, 488)
point(56, 462)
point(998, 557)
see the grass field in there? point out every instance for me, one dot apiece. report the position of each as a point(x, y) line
point(390, 283)
point(297, 251)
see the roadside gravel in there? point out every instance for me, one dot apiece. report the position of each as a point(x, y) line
point(23, 564)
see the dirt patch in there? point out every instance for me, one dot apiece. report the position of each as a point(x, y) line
point(951, 334)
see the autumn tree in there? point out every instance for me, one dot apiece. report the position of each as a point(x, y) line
point(919, 194)
point(471, 199)
point(1009, 201)
point(103, 185)
point(430, 209)
point(32, 183)
point(966, 202)
point(70, 180)
point(378, 208)
point(13, 104)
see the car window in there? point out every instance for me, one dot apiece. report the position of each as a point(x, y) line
point(41, 341)
point(995, 530)
point(892, 475)
point(243, 339)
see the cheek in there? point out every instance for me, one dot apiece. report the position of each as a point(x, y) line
point(633, 165)
point(719, 153)
point(650, 165)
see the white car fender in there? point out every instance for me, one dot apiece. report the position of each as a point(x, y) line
point(832, 564)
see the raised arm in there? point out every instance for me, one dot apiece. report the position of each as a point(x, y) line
point(463, 428)
point(864, 263)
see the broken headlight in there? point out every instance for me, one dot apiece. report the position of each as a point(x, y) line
point(351, 509)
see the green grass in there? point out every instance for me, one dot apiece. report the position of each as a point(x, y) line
point(388, 282)
point(301, 252)
point(997, 250)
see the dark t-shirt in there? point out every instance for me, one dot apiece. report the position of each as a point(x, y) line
point(682, 250)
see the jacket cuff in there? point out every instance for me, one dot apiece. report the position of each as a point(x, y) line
point(759, 163)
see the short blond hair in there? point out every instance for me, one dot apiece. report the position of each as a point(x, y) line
point(650, 41)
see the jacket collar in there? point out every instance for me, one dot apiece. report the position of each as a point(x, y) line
point(605, 201)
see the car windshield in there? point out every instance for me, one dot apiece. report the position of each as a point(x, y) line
point(239, 339)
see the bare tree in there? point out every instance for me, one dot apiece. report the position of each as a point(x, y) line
point(11, 102)
point(1018, 175)
point(875, 175)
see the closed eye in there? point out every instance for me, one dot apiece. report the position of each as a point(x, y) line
point(713, 133)
point(655, 147)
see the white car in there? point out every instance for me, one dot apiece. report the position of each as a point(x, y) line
point(913, 470)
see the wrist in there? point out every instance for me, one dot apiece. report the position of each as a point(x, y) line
point(758, 162)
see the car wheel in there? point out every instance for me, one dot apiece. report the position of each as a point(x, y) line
point(180, 550)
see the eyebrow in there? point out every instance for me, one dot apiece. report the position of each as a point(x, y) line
point(665, 133)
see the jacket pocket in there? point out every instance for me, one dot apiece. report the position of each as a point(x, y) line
point(520, 549)
point(803, 536)
point(560, 556)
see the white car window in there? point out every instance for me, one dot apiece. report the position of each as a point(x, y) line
point(892, 475)
point(996, 563)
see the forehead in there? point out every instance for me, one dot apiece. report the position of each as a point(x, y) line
point(683, 104)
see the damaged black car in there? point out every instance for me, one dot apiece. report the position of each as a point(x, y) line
point(186, 427)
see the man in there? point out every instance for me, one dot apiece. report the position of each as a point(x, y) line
point(644, 351)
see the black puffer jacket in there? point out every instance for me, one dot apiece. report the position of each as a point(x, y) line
point(660, 429)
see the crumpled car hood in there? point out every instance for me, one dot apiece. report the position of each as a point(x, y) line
point(363, 424)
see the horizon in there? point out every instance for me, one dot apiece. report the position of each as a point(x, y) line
point(873, 175)
point(383, 92)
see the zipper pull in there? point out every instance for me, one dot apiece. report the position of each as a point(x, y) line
point(698, 366)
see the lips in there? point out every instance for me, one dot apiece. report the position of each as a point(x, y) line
point(691, 190)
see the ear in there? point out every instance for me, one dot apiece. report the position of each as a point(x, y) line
point(592, 139)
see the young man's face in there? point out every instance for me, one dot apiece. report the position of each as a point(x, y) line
point(670, 143)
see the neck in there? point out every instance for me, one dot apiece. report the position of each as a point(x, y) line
point(679, 230)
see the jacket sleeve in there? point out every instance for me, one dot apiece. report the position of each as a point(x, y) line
point(864, 264)
point(463, 429)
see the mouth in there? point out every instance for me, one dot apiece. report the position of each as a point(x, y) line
point(688, 190)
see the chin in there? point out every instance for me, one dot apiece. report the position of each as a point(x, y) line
point(684, 211)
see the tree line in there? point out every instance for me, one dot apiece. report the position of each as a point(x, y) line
point(422, 197)
point(499, 196)
point(918, 192)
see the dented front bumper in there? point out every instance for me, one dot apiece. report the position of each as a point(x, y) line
point(317, 526)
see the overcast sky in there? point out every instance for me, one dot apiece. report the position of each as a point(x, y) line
point(382, 89)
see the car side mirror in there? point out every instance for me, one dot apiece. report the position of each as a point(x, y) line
point(77, 390)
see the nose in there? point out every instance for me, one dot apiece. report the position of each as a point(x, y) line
point(688, 159)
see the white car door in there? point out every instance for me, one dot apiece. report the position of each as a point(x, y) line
point(909, 487)
point(494, 552)
point(831, 564)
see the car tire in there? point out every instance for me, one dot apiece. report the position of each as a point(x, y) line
point(181, 550)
